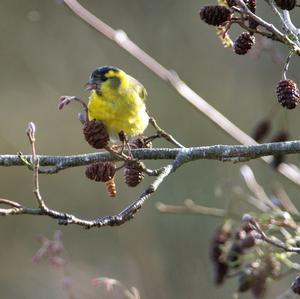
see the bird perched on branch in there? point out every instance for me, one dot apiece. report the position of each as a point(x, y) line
point(118, 100)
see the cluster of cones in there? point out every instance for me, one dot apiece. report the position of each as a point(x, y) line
point(227, 253)
point(96, 135)
point(222, 15)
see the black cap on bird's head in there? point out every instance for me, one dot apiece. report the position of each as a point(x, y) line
point(99, 75)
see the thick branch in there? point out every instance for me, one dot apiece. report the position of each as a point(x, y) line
point(234, 153)
point(179, 156)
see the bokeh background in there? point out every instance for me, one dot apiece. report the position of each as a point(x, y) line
point(45, 52)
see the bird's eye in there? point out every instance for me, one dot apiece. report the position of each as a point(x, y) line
point(103, 78)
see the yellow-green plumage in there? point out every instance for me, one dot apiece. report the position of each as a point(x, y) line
point(119, 104)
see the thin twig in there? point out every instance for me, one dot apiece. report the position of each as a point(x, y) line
point(287, 64)
point(35, 161)
point(189, 207)
point(164, 134)
point(270, 27)
point(118, 219)
point(285, 200)
point(271, 240)
point(10, 203)
point(289, 23)
point(257, 189)
point(257, 31)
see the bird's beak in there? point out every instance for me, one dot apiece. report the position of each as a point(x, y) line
point(92, 84)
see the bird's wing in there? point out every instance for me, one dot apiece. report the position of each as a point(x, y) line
point(138, 87)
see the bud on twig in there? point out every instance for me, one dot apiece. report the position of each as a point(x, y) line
point(140, 142)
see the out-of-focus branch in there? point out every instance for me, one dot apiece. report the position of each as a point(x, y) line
point(269, 239)
point(189, 207)
point(233, 153)
point(121, 38)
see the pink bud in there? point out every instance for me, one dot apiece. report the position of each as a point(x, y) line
point(108, 283)
point(56, 261)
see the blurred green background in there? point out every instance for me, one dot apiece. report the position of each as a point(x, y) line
point(45, 52)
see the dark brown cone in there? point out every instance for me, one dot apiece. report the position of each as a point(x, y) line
point(215, 15)
point(234, 254)
point(100, 171)
point(286, 4)
point(140, 142)
point(281, 136)
point(288, 93)
point(220, 267)
point(95, 134)
point(296, 285)
point(244, 43)
point(133, 174)
point(220, 271)
point(261, 130)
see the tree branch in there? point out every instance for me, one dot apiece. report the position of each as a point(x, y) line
point(233, 153)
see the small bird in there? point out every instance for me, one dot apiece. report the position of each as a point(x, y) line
point(118, 100)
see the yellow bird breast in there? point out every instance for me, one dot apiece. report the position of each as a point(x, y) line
point(119, 112)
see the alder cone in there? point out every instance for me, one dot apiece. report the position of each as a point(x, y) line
point(100, 171)
point(244, 43)
point(288, 93)
point(286, 4)
point(95, 134)
point(215, 15)
point(133, 175)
